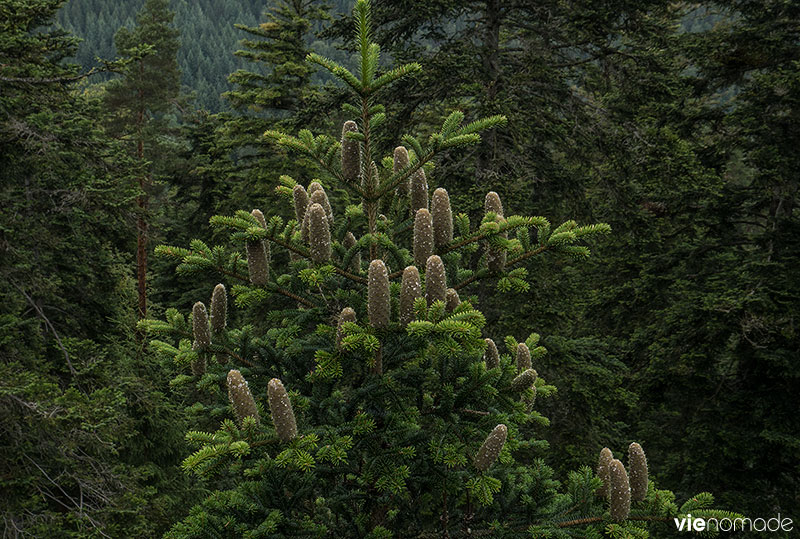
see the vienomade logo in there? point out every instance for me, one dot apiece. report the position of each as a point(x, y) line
point(700, 524)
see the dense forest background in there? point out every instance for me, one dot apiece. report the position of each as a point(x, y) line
point(676, 123)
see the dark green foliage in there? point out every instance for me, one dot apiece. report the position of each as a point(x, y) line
point(393, 425)
point(89, 442)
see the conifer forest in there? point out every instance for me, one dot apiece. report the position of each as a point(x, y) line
point(399, 269)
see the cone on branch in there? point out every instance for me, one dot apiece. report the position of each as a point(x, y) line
point(419, 191)
point(347, 315)
point(321, 197)
point(523, 357)
point(491, 448)
point(219, 309)
point(258, 255)
point(423, 236)
point(301, 201)
point(378, 306)
point(637, 467)
point(452, 300)
point(410, 290)
point(495, 258)
point(314, 186)
point(602, 471)
point(280, 408)
point(524, 380)
point(351, 153)
point(399, 162)
point(620, 491)
point(241, 399)
point(442, 218)
point(319, 234)
point(200, 328)
point(349, 242)
point(491, 357)
point(435, 280)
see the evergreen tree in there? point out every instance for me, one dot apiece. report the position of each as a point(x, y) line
point(363, 399)
point(88, 442)
point(147, 90)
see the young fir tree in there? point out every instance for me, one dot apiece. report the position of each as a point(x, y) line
point(366, 398)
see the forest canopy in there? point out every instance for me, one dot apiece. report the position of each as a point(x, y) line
point(397, 269)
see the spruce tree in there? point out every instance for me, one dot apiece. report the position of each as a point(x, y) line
point(369, 399)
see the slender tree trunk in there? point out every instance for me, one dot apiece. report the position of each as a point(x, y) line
point(141, 221)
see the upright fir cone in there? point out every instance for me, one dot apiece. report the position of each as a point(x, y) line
point(523, 357)
point(321, 197)
point(319, 234)
point(451, 300)
point(620, 491)
point(347, 315)
point(351, 153)
point(219, 309)
point(435, 280)
point(637, 464)
point(241, 398)
point(410, 290)
point(400, 162)
point(495, 258)
point(200, 329)
point(314, 186)
point(281, 409)
point(355, 263)
point(258, 255)
point(378, 306)
point(304, 224)
point(524, 380)
point(491, 357)
point(423, 236)
point(491, 448)
point(301, 201)
point(442, 218)
point(602, 471)
point(419, 191)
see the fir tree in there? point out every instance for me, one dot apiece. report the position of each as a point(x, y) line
point(148, 88)
point(386, 418)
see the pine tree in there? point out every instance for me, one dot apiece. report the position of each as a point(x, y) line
point(385, 416)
